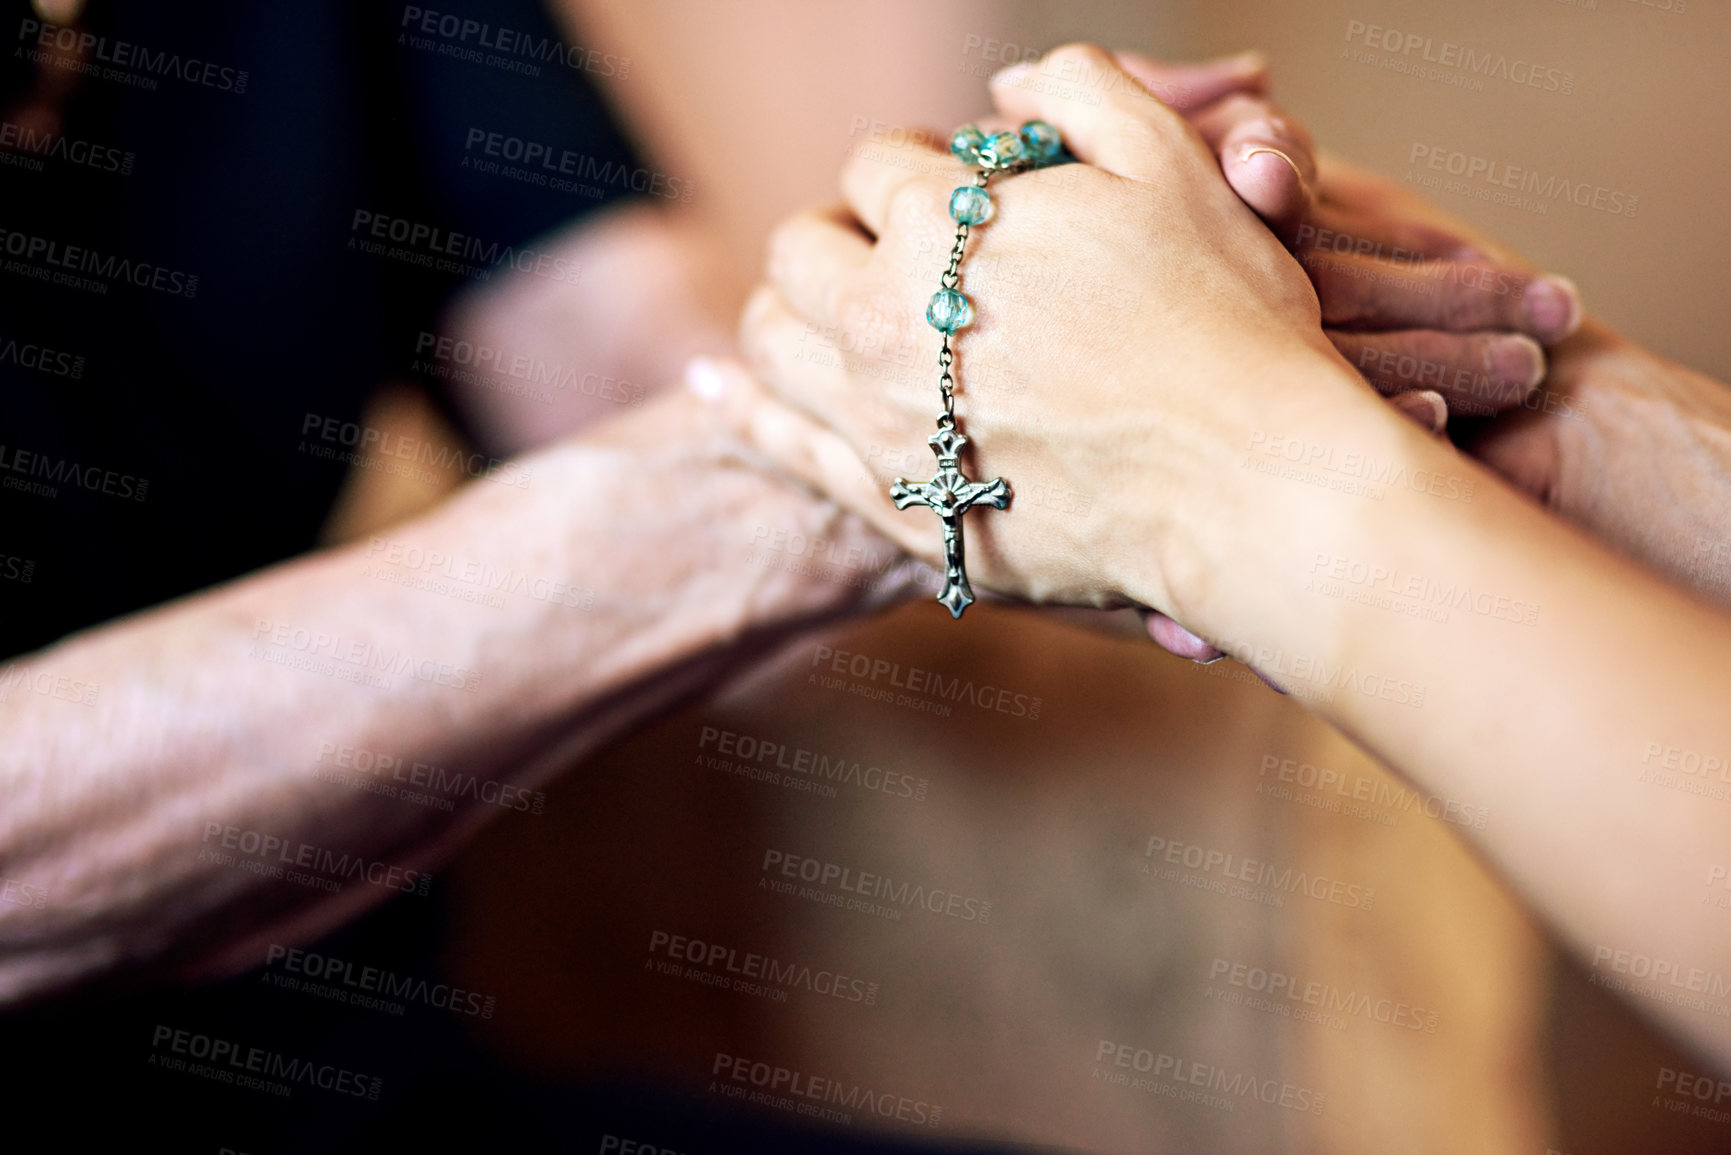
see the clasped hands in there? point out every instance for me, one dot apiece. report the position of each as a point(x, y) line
point(1144, 336)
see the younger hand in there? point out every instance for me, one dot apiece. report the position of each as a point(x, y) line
point(1145, 365)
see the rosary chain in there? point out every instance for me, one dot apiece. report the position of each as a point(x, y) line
point(950, 278)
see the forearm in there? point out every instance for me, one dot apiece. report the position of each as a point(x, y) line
point(1505, 664)
point(1645, 458)
point(485, 644)
point(532, 359)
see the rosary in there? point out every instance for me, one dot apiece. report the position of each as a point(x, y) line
point(950, 494)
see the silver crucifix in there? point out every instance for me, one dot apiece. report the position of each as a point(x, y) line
point(949, 495)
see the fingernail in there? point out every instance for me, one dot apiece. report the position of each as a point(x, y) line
point(1517, 359)
point(1251, 150)
point(1013, 74)
point(1175, 639)
point(1424, 406)
point(1552, 306)
point(1255, 149)
point(704, 378)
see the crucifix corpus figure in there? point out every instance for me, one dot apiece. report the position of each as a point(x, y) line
point(950, 495)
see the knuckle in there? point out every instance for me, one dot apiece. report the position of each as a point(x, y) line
point(755, 316)
point(1460, 309)
point(1344, 300)
point(869, 319)
point(915, 204)
point(860, 166)
point(784, 244)
point(1079, 54)
point(1140, 135)
point(763, 328)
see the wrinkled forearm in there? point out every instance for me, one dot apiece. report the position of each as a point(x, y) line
point(494, 640)
point(1645, 464)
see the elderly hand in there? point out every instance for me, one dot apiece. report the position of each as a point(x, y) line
point(1416, 300)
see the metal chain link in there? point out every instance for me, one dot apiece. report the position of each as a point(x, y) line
point(950, 278)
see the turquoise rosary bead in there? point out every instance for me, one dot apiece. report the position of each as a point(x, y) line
point(1036, 143)
point(970, 205)
point(950, 493)
point(1042, 142)
point(1002, 150)
point(965, 144)
point(949, 311)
